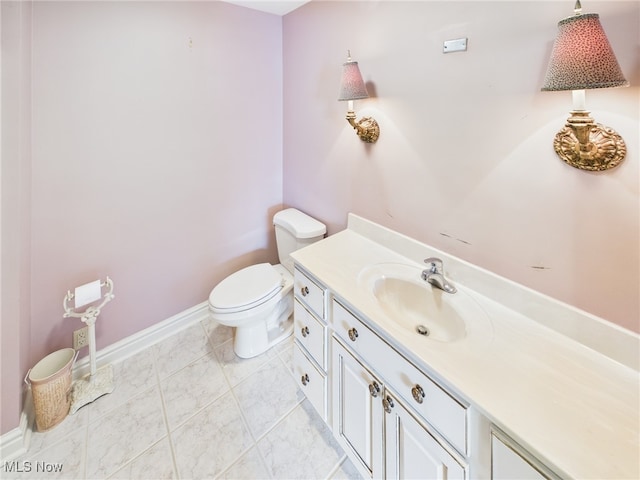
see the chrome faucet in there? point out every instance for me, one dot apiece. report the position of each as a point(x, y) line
point(435, 275)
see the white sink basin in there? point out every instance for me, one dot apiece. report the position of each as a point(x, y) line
point(417, 306)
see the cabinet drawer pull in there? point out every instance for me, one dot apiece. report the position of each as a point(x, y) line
point(305, 331)
point(418, 393)
point(387, 404)
point(304, 291)
point(305, 379)
point(353, 334)
point(374, 389)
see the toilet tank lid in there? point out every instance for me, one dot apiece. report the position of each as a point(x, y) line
point(299, 224)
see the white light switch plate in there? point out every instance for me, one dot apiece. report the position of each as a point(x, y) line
point(457, 45)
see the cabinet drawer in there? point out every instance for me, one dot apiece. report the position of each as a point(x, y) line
point(431, 402)
point(310, 333)
point(355, 334)
point(309, 292)
point(311, 381)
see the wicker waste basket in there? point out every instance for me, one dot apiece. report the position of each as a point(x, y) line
point(50, 382)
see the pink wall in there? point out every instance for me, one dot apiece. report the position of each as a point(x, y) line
point(156, 159)
point(157, 155)
point(465, 159)
point(15, 223)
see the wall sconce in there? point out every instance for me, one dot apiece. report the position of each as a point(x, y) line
point(582, 58)
point(352, 88)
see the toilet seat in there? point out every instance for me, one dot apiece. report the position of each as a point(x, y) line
point(246, 289)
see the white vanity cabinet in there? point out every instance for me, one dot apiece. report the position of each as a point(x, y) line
point(310, 348)
point(568, 412)
point(387, 435)
point(392, 418)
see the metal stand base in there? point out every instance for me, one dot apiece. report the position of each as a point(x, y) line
point(91, 387)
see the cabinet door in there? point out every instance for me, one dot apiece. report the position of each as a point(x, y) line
point(357, 412)
point(411, 452)
point(507, 463)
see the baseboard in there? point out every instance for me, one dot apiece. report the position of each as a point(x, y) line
point(16, 442)
point(137, 342)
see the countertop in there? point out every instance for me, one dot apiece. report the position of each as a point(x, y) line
point(572, 406)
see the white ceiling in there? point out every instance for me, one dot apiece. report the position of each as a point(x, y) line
point(281, 7)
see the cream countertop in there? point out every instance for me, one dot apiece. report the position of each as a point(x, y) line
point(569, 404)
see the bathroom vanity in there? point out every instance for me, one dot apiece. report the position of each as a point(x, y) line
point(495, 381)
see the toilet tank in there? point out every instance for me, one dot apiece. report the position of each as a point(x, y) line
point(294, 230)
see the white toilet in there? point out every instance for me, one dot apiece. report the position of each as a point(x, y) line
point(258, 300)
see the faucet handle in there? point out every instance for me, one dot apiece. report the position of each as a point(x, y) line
point(435, 264)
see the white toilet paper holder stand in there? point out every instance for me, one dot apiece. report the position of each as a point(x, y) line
point(97, 382)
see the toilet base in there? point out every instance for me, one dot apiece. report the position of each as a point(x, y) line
point(253, 340)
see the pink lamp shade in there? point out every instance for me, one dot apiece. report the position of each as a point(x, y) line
point(582, 57)
point(352, 86)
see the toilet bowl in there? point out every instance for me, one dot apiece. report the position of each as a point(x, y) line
point(258, 300)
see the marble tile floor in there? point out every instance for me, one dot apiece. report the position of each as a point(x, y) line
point(188, 408)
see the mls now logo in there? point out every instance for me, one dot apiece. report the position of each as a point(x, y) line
point(28, 467)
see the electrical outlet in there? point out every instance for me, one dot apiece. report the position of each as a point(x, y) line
point(81, 338)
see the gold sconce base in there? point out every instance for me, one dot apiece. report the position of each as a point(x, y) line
point(587, 145)
point(366, 128)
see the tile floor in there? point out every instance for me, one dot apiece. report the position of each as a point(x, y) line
point(188, 408)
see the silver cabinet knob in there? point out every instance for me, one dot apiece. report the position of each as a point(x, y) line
point(387, 404)
point(304, 379)
point(374, 389)
point(418, 393)
point(305, 331)
point(304, 291)
point(353, 334)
